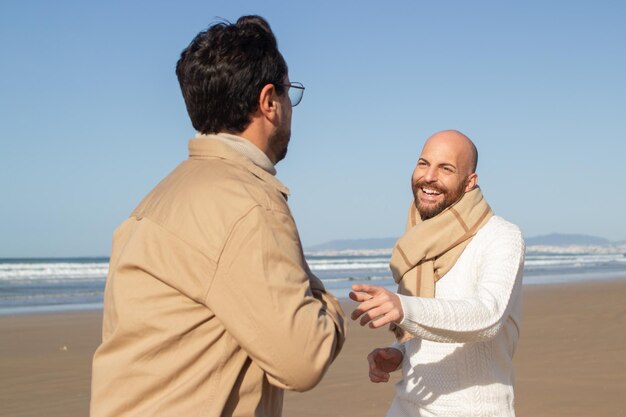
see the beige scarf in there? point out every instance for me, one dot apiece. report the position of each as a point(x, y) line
point(430, 248)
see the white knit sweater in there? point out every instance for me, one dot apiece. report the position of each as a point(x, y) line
point(460, 361)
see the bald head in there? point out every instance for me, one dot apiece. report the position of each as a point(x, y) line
point(457, 144)
point(445, 171)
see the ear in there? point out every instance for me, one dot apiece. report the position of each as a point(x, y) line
point(267, 102)
point(472, 180)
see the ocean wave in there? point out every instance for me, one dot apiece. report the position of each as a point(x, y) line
point(348, 266)
point(573, 261)
point(349, 252)
point(67, 271)
point(340, 264)
point(48, 271)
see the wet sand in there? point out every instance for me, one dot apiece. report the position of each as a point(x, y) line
point(571, 360)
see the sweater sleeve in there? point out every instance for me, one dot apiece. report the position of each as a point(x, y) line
point(479, 317)
point(272, 306)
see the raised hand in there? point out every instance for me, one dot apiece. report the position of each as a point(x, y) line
point(378, 307)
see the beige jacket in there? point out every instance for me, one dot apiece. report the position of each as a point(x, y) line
point(210, 308)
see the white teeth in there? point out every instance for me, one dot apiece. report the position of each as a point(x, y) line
point(430, 192)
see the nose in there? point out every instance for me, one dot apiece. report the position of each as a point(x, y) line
point(431, 174)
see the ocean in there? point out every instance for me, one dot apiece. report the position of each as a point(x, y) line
point(62, 284)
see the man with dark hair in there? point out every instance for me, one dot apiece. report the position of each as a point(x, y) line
point(210, 308)
point(457, 311)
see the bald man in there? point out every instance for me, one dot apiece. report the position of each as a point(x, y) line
point(457, 311)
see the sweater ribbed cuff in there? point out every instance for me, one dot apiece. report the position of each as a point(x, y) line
point(412, 310)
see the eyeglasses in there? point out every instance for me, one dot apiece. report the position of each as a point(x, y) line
point(295, 91)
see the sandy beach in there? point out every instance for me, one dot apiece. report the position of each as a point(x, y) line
point(571, 360)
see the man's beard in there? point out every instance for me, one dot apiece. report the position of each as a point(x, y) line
point(279, 141)
point(429, 211)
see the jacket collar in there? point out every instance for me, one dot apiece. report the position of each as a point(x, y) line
point(244, 147)
point(210, 148)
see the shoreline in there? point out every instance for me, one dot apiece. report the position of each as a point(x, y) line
point(571, 360)
point(342, 293)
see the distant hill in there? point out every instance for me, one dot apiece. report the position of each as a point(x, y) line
point(344, 244)
point(554, 239)
point(558, 239)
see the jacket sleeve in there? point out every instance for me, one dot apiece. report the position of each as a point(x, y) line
point(262, 294)
point(477, 318)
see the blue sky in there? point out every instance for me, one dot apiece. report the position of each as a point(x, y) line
point(92, 117)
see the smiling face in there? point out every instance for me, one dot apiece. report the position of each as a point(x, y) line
point(444, 173)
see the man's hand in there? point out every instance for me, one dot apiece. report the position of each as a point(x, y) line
point(376, 302)
point(382, 362)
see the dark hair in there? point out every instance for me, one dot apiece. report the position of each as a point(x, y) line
point(223, 70)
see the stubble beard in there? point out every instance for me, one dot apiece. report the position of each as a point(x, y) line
point(279, 142)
